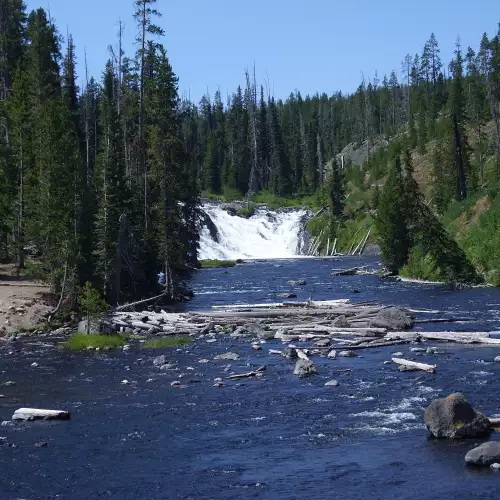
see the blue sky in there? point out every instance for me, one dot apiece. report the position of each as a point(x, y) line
point(318, 45)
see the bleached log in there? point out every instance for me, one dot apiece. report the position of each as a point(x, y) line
point(38, 414)
point(417, 366)
point(145, 301)
point(317, 303)
point(302, 355)
point(254, 373)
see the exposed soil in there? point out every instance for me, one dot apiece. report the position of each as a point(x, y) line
point(23, 301)
point(470, 217)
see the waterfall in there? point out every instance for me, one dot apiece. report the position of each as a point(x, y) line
point(267, 234)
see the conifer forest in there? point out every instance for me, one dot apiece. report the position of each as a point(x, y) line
point(103, 182)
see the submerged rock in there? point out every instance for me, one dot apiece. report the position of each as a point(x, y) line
point(485, 454)
point(296, 282)
point(227, 355)
point(304, 368)
point(455, 418)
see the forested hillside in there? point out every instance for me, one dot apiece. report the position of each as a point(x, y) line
point(102, 183)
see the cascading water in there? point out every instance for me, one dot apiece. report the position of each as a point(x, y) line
point(266, 235)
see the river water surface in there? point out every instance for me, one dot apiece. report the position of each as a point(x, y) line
point(276, 437)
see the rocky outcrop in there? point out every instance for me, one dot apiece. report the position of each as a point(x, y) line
point(29, 414)
point(485, 454)
point(455, 418)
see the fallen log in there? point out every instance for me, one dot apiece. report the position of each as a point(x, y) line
point(367, 345)
point(347, 272)
point(144, 301)
point(415, 365)
point(254, 373)
point(28, 414)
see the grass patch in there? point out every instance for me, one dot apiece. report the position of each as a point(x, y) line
point(80, 342)
point(217, 263)
point(167, 342)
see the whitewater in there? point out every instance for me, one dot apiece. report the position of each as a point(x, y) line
point(266, 235)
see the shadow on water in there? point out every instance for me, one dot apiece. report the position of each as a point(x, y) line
point(275, 437)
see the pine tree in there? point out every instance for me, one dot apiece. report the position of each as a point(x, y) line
point(391, 221)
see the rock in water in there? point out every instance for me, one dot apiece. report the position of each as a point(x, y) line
point(159, 360)
point(332, 383)
point(454, 418)
point(296, 282)
point(332, 354)
point(497, 359)
point(304, 368)
point(228, 355)
point(286, 296)
point(348, 354)
point(37, 414)
point(485, 454)
point(289, 352)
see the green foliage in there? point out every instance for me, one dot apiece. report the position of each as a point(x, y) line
point(392, 220)
point(481, 243)
point(81, 341)
point(217, 263)
point(421, 265)
point(92, 304)
point(167, 342)
point(246, 211)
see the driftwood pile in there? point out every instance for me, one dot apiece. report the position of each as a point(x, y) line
point(338, 323)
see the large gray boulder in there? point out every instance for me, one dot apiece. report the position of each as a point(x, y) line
point(392, 318)
point(485, 454)
point(455, 418)
point(304, 368)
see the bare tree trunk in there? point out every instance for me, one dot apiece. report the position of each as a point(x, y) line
point(119, 252)
point(20, 223)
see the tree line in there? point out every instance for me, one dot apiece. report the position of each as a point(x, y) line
point(104, 182)
point(98, 181)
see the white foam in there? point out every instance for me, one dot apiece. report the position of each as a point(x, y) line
point(259, 237)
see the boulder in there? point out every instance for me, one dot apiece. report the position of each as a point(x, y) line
point(485, 454)
point(348, 354)
point(296, 282)
point(159, 360)
point(332, 383)
point(304, 368)
point(497, 359)
point(455, 418)
point(289, 352)
point(232, 356)
point(391, 318)
point(332, 354)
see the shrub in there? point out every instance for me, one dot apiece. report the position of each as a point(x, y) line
point(217, 263)
point(92, 304)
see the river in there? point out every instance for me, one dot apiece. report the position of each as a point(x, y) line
point(276, 437)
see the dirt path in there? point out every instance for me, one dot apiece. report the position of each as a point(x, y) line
point(23, 301)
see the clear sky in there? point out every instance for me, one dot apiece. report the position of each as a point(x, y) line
point(313, 45)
